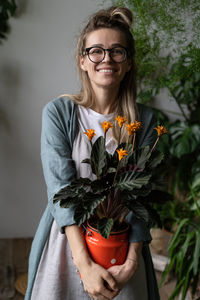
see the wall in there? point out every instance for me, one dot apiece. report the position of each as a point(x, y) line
point(36, 65)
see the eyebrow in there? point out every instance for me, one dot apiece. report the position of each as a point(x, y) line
point(102, 46)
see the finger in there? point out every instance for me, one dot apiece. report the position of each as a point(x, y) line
point(102, 297)
point(99, 297)
point(110, 282)
point(108, 294)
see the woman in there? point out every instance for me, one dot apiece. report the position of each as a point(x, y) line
point(105, 59)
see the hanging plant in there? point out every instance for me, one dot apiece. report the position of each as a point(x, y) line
point(7, 10)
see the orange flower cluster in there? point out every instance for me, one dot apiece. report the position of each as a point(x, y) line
point(133, 127)
point(90, 134)
point(106, 126)
point(121, 153)
point(121, 120)
point(161, 130)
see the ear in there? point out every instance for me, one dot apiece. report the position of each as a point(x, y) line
point(82, 63)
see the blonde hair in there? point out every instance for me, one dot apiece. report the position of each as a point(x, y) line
point(118, 18)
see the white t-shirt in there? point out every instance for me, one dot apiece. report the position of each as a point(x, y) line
point(90, 119)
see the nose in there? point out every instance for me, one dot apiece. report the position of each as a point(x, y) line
point(107, 56)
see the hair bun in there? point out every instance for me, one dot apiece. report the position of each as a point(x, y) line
point(122, 14)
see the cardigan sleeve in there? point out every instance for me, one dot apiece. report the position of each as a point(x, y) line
point(58, 166)
point(139, 231)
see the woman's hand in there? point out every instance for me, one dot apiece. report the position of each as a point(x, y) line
point(97, 281)
point(122, 273)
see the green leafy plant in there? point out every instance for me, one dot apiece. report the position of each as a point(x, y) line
point(7, 9)
point(184, 249)
point(163, 31)
point(124, 182)
point(168, 59)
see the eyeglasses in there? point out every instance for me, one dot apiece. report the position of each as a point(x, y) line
point(97, 54)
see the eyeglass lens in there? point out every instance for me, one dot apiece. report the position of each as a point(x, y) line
point(97, 54)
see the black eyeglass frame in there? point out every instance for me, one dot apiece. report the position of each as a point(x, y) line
point(87, 50)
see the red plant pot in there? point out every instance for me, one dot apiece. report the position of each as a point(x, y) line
point(107, 252)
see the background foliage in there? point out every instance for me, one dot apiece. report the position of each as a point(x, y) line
point(168, 60)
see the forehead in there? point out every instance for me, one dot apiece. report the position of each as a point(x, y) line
point(106, 37)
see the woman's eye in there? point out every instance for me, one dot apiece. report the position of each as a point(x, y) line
point(96, 51)
point(117, 51)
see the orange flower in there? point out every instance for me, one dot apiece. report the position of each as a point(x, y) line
point(121, 120)
point(90, 134)
point(106, 125)
point(133, 127)
point(161, 130)
point(121, 153)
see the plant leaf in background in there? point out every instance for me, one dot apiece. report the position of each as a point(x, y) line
point(7, 10)
point(185, 139)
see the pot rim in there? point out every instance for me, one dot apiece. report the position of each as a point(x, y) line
point(112, 232)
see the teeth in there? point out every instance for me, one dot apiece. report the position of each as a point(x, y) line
point(105, 71)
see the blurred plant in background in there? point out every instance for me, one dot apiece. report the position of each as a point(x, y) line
point(7, 10)
point(168, 60)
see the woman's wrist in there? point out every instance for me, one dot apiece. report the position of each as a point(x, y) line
point(131, 265)
point(134, 260)
point(82, 260)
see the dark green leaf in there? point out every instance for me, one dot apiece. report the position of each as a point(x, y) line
point(98, 156)
point(87, 207)
point(173, 242)
point(167, 270)
point(155, 159)
point(186, 283)
point(144, 156)
point(64, 195)
point(134, 193)
point(86, 161)
point(105, 226)
point(177, 289)
point(111, 170)
point(66, 203)
point(131, 180)
point(196, 257)
point(100, 185)
point(186, 139)
point(75, 188)
point(184, 250)
point(139, 211)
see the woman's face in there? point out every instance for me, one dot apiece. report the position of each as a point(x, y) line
point(107, 73)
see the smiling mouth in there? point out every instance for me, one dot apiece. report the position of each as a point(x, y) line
point(106, 71)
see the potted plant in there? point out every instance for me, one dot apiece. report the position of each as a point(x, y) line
point(125, 181)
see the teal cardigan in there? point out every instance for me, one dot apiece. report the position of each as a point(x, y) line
point(59, 125)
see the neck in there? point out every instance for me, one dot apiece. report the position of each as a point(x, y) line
point(105, 100)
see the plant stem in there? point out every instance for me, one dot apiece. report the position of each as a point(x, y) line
point(179, 105)
point(103, 208)
point(134, 135)
point(155, 144)
point(119, 137)
point(116, 173)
